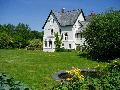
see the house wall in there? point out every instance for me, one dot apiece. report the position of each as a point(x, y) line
point(50, 24)
point(68, 30)
point(49, 48)
point(76, 28)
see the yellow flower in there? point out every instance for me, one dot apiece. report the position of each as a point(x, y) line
point(69, 79)
point(76, 73)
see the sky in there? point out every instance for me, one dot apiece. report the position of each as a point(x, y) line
point(35, 12)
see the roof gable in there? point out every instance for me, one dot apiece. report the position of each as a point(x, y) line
point(51, 13)
point(67, 18)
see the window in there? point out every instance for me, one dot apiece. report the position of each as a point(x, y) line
point(45, 43)
point(69, 45)
point(77, 35)
point(62, 45)
point(52, 32)
point(50, 43)
point(66, 36)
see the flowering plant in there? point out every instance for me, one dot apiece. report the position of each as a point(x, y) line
point(76, 73)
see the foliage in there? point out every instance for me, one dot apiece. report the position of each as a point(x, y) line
point(83, 54)
point(12, 36)
point(9, 84)
point(110, 80)
point(21, 35)
point(35, 44)
point(58, 41)
point(65, 50)
point(103, 36)
point(37, 35)
point(5, 41)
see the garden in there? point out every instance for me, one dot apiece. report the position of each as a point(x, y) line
point(35, 68)
point(95, 68)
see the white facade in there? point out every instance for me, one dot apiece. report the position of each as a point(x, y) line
point(72, 36)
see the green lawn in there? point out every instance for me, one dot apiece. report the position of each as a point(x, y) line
point(35, 68)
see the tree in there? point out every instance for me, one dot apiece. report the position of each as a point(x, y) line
point(5, 41)
point(103, 36)
point(18, 36)
point(58, 41)
point(37, 35)
point(22, 35)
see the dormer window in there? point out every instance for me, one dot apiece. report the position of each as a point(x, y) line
point(51, 31)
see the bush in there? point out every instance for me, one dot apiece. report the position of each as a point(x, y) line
point(103, 36)
point(83, 54)
point(64, 50)
point(35, 44)
point(9, 84)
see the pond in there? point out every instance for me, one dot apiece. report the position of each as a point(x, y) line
point(63, 75)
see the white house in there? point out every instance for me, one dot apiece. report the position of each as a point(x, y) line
point(68, 23)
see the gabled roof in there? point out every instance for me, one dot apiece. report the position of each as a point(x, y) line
point(51, 12)
point(67, 18)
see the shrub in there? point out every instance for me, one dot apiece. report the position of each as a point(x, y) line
point(103, 36)
point(35, 44)
point(83, 54)
point(9, 84)
point(109, 80)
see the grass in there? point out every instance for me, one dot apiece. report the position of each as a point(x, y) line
point(34, 68)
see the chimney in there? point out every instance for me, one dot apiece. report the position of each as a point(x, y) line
point(92, 13)
point(62, 10)
point(62, 15)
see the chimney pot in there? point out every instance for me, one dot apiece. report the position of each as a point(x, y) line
point(63, 10)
